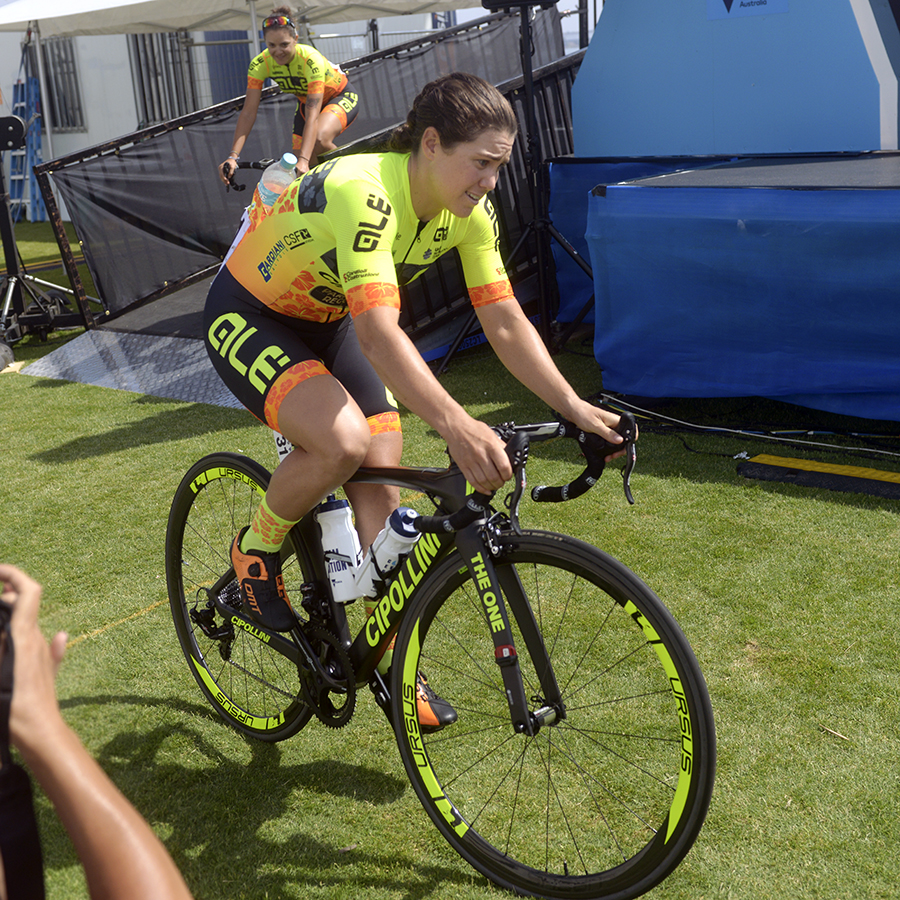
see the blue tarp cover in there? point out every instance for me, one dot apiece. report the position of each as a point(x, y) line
point(718, 292)
point(570, 182)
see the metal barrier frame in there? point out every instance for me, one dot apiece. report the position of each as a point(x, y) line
point(439, 294)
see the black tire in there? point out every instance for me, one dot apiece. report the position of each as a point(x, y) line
point(607, 801)
point(252, 686)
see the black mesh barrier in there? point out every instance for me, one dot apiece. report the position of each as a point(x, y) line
point(387, 82)
point(150, 211)
point(152, 216)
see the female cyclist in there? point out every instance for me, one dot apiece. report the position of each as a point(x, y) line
point(302, 324)
point(325, 103)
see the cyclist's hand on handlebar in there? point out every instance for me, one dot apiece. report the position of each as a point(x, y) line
point(227, 170)
point(481, 456)
point(601, 422)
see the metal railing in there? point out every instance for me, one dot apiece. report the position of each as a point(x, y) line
point(432, 301)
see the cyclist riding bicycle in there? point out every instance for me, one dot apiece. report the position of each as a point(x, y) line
point(326, 102)
point(302, 324)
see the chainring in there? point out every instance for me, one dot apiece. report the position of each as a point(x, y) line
point(316, 693)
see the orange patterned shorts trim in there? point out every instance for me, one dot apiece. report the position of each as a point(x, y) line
point(384, 423)
point(288, 380)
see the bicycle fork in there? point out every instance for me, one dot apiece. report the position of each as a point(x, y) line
point(497, 589)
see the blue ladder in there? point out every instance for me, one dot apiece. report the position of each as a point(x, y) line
point(24, 193)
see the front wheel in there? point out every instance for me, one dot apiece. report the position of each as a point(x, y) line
point(248, 682)
point(607, 800)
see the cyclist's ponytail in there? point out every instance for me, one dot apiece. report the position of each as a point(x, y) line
point(459, 107)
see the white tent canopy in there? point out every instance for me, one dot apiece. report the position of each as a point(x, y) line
point(51, 18)
point(73, 17)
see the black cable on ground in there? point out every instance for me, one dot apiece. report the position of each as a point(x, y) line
point(659, 423)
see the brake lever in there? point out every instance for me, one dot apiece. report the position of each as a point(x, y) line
point(629, 433)
point(630, 459)
point(517, 450)
point(596, 449)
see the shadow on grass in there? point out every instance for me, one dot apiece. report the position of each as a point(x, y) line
point(220, 822)
point(188, 421)
point(700, 457)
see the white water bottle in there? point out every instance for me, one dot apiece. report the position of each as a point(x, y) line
point(341, 545)
point(275, 179)
point(394, 540)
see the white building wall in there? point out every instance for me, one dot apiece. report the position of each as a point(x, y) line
point(105, 80)
point(107, 98)
point(106, 92)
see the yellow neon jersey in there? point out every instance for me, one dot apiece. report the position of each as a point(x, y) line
point(308, 72)
point(292, 260)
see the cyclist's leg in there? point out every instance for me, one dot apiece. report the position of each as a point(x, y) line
point(372, 503)
point(292, 392)
point(330, 437)
point(609, 794)
point(335, 117)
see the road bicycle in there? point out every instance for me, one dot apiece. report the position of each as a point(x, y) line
point(582, 761)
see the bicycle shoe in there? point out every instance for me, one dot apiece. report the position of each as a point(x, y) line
point(262, 587)
point(434, 712)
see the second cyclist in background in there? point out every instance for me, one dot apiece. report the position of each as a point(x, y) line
point(326, 104)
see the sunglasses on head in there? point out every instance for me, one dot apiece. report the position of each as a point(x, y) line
point(277, 22)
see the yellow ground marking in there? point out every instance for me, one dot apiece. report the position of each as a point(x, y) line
point(96, 631)
point(809, 465)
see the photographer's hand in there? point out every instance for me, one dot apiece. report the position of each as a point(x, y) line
point(122, 857)
point(34, 710)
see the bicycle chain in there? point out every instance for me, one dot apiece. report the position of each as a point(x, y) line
point(316, 694)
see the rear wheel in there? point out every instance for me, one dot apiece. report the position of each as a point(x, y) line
point(250, 684)
point(607, 800)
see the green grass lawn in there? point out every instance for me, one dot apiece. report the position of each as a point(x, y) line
point(788, 595)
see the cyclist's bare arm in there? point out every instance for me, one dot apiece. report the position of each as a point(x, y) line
point(473, 445)
point(242, 129)
point(521, 350)
point(313, 106)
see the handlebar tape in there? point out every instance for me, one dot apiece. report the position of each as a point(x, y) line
point(595, 449)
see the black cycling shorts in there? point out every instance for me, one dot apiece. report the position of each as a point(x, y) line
point(344, 105)
point(261, 354)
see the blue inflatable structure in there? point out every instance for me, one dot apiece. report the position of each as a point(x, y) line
point(743, 214)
